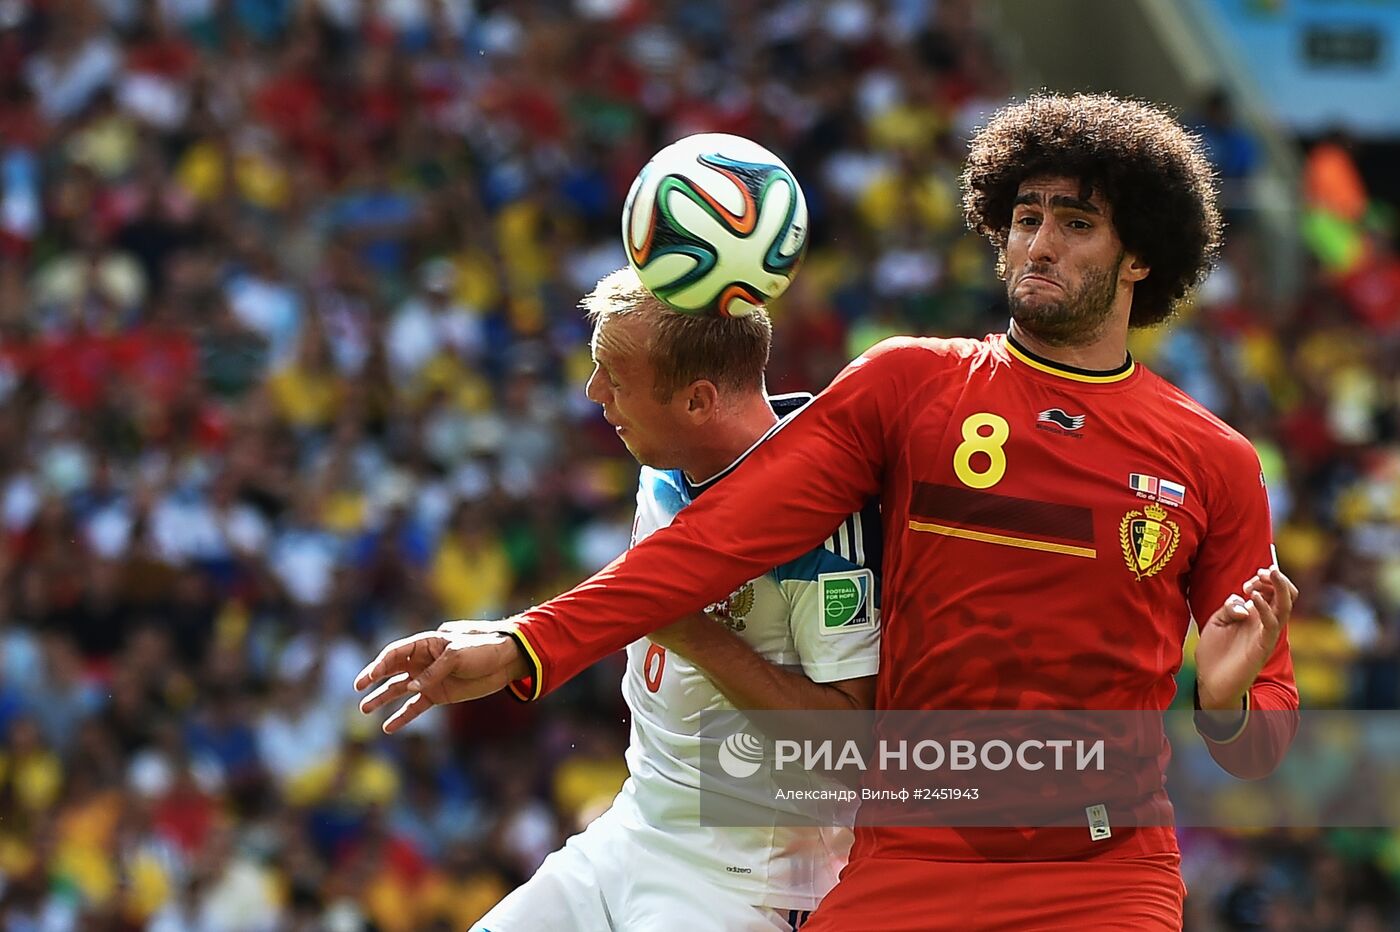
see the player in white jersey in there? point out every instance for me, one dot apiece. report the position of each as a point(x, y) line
point(686, 396)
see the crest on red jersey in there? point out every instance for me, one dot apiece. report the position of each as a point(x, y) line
point(1149, 540)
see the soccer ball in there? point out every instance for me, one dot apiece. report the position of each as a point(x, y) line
point(715, 224)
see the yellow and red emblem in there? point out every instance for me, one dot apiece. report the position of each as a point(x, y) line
point(1149, 540)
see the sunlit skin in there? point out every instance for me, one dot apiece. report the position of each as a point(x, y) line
point(1069, 280)
point(657, 433)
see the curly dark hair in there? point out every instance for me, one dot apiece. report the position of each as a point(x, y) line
point(1151, 170)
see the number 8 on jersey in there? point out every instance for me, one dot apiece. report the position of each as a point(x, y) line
point(984, 433)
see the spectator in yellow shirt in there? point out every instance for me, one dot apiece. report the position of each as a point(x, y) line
point(471, 575)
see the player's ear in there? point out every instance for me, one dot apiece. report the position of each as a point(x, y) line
point(702, 400)
point(1133, 268)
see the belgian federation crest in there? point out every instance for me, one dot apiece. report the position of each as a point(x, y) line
point(732, 611)
point(1149, 540)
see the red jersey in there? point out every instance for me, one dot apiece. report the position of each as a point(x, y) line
point(1048, 535)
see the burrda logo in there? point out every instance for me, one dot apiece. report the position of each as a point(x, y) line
point(1060, 422)
point(740, 755)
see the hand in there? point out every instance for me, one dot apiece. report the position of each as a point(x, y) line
point(434, 668)
point(1239, 638)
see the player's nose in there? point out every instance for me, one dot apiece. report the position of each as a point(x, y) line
point(595, 389)
point(1044, 246)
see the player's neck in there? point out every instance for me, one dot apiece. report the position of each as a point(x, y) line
point(1102, 354)
point(729, 438)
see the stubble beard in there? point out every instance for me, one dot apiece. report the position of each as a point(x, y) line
point(1076, 319)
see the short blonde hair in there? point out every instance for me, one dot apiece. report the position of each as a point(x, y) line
point(731, 352)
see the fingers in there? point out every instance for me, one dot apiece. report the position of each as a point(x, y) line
point(1236, 610)
point(1276, 588)
point(398, 657)
point(1253, 586)
point(1232, 612)
point(377, 667)
point(1285, 593)
point(430, 678)
point(1262, 579)
point(394, 658)
point(416, 705)
point(433, 695)
point(388, 691)
point(433, 668)
point(1265, 613)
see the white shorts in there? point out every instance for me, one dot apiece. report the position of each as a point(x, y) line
point(605, 880)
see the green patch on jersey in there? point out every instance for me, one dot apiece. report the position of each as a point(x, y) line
point(845, 600)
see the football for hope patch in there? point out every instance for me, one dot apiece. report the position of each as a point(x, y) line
point(846, 601)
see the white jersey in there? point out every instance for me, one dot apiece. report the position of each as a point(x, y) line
point(780, 614)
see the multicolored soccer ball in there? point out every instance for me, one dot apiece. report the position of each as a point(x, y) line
point(715, 224)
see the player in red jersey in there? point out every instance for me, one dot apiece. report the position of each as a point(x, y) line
point(1055, 515)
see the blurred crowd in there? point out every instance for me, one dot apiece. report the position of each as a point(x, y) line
point(291, 363)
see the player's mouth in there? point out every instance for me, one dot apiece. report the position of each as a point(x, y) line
point(1039, 280)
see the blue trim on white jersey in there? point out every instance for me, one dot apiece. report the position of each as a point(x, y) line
point(668, 488)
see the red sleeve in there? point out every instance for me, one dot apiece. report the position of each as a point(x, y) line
point(1239, 542)
point(823, 464)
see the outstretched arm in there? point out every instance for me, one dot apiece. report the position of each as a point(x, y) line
point(821, 466)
